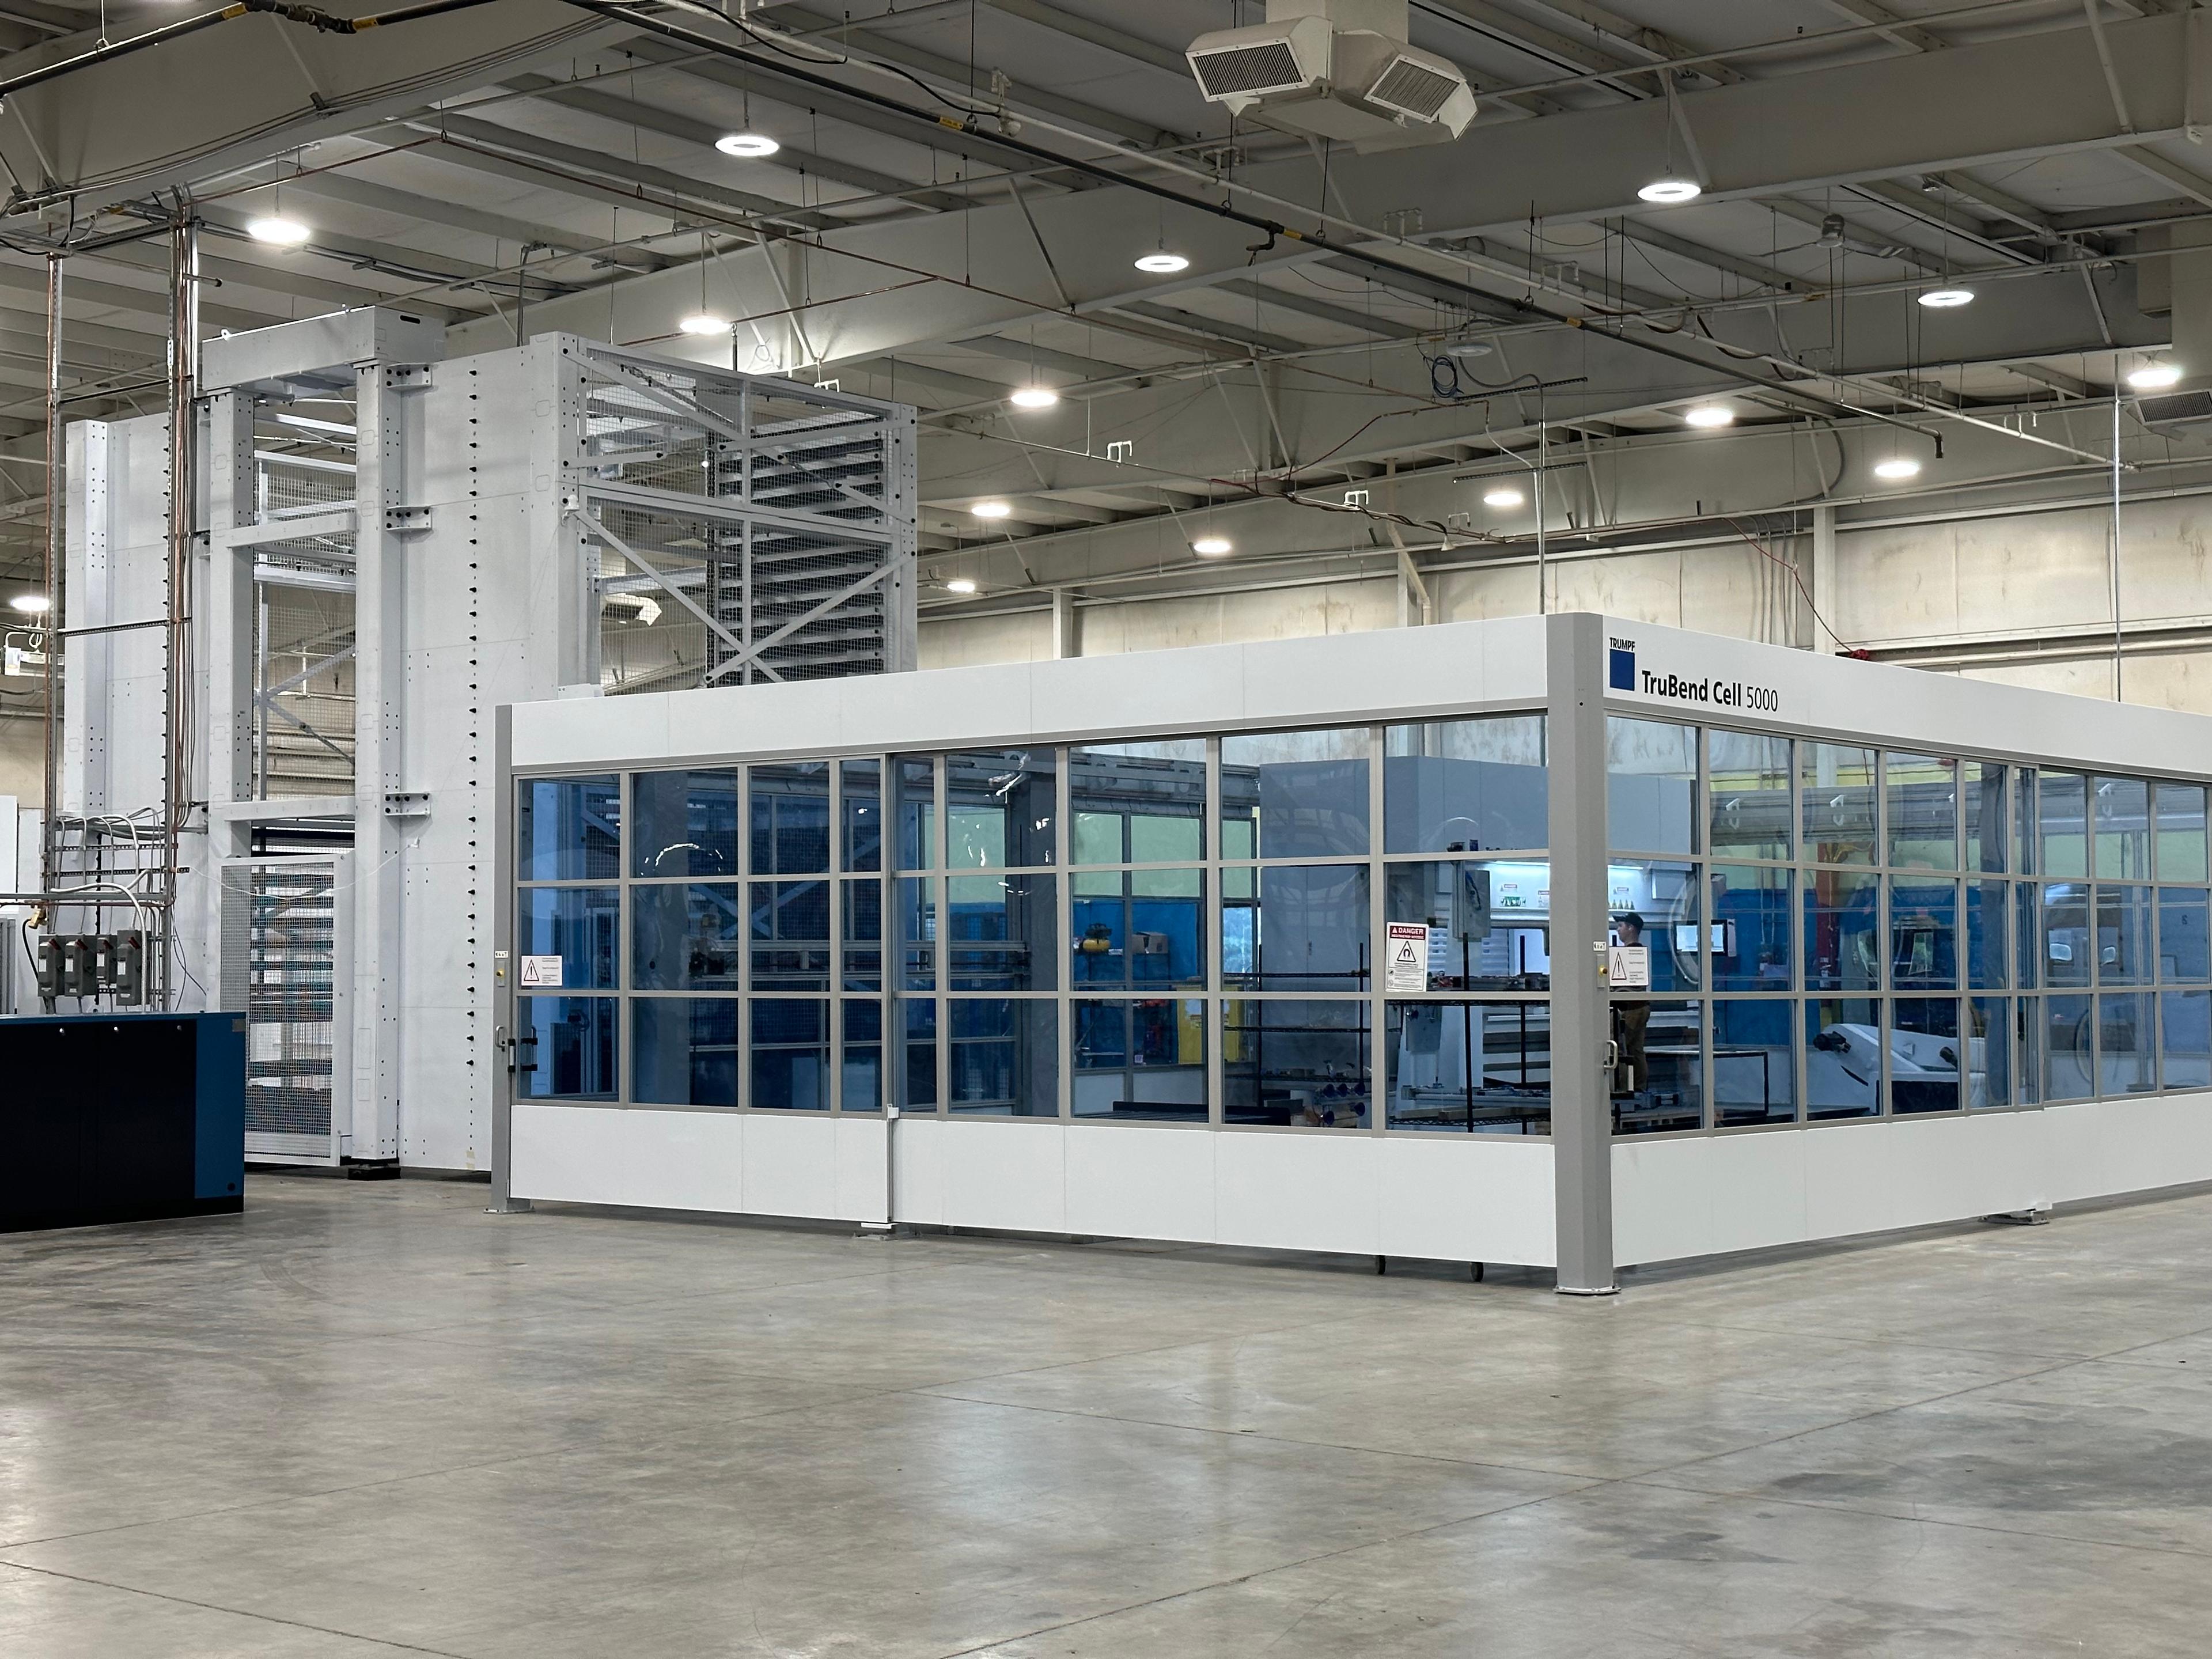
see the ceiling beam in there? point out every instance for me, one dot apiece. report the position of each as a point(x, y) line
point(1894, 29)
point(1117, 41)
point(1931, 210)
point(79, 292)
point(2056, 380)
point(1197, 323)
point(2150, 161)
point(1859, 238)
point(1649, 43)
point(383, 199)
point(1388, 328)
point(1711, 258)
point(1089, 369)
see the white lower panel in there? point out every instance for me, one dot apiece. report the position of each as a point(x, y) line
point(1706, 1195)
point(739, 1163)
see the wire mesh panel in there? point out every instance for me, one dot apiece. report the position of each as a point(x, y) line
point(281, 967)
point(749, 529)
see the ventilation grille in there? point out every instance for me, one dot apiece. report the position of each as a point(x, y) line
point(1412, 88)
point(1269, 66)
point(2175, 406)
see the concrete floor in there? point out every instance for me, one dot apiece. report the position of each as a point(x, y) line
point(364, 1420)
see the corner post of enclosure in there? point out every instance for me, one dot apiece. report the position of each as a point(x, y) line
point(504, 1009)
point(1581, 1128)
point(380, 688)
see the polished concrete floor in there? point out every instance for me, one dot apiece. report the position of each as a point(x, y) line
point(371, 1419)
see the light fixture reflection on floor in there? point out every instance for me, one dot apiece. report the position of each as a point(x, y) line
point(747, 145)
point(1947, 298)
point(1711, 415)
point(1212, 547)
point(1503, 495)
point(991, 509)
point(2155, 377)
point(277, 231)
point(1897, 466)
point(1033, 397)
point(1670, 189)
point(1162, 263)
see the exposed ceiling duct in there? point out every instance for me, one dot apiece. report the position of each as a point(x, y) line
point(1335, 69)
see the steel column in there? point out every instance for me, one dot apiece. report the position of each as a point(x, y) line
point(379, 703)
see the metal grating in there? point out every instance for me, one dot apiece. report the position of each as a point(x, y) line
point(1270, 66)
point(1413, 89)
point(280, 963)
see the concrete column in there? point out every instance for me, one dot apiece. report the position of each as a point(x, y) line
point(1067, 624)
point(1814, 590)
point(1582, 1114)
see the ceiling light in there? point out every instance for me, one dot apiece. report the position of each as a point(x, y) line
point(1468, 351)
point(960, 585)
point(1897, 466)
point(704, 322)
point(1503, 495)
point(1664, 191)
point(36, 604)
point(1033, 397)
point(750, 145)
point(1211, 547)
point(1711, 415)
point(276, 230)
point(1945, 299)
point(991, 509)
point(2155, 377)
point(1162, 263)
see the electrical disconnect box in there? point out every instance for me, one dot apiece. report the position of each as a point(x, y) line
point(111, 965)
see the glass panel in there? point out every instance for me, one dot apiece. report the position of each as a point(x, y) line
point(1923, 934)
point(917, 925)
point(2123, 807)
point(1139, 1059)
point(567, 829)
point(2127, 1044)
point(2185, 1047)
point(861, 847)
point(1843, 1057)
point(1659, 1084)
point(999, 808)
point(1489, 924)
point(1843, 941)
point(579, 925)
point(1748, 794)
point(1477, 1068)
point(1462, 786)
point(683, 1050)
point(2182, 957)
point(1656, 905)
point(2069, 943)
point(917, 1076)
point(791, 935)
point(567, 1048)
point(1310, 930)
point(915, 778)
point(1005, 1056)
point(2027, 935)
point(1002, 932)
point(1751, 927)
point(2027, 1050)
point(2062, 804)
point(1923, 810)
point(791, 1055)
point(1988, 1052)
point(1651, 785)
point(1754, 1062)
point(1299, 795)
point(790, 819)
point(1988, 962)
point(1140, 927)
point(2181, 832)
point(863, 1070)
point(2069, 1034)
point(1137, 802)
point(1836, 794)
point(2124, 953)
point(1303, 1065)
point(1924, 1055)
point(2025, 843)
point(864, 935)
point(685, 938)
point(1986, 815)
point(686, 823)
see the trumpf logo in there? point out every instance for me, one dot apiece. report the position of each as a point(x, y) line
point(1621, 674)
point(1620, 665)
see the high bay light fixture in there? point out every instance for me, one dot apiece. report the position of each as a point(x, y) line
point(1160, 263)
point(992, 509)
point(1501, 496)
point(278, 230)
point(747, 146)
point(1033, 397)
point(2156, 376)
point(1896, 467)
point(1947, 298)
point(1670, 189)
point(1709, 415)
point(1212, 547)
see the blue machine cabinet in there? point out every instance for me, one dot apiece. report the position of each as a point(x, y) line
point(121, 1117)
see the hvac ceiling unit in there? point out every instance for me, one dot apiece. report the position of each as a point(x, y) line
point(2175, 409)
point(1335, 69)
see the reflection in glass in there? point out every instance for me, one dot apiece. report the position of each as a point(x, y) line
point(861, 846)
point(863, 1068)
point(1476, 1068)
point(864, 935)
point(2127, 1044)
point(1923, 934)
point(1659, 1083)
point(2070, 1037)
point(1988, 961)
point(1005, 1056)
point(685, 824)
point(2027, 935)
point(914, 783)
point(1489, 924)
point(1988, 1052)
point(1748, 794)
point(1138, 803)
point(791, 1055)
point(791, 935)
point(2182, 957)
point(1836, 793)
point(1141, 1059)
point(1751, 927)
point(2124, 952)
point(2181, 832)
point(566, 1047)
point(2186, 1038)
point(683, 938)
point(567, 829)
point(999, 808)
point(2026, 841)
point(1924, 1055)
point(1923, 810)
point(1300, 1064)
point(2028, 1051)
point(1654, 905)
point(1295, 794)
point(1651, 785)
point(2061, 807)
point(2070, 942)
point(916, 1066)
point(1842, 950)
point(2123, 811)
point(917, 932)
point(1987, 815)
point(1138, 927)
point(1463, 786)
point(579, 925)
point(683, 1050)
point(1309, 933)
point(1843, 1057)
point(1001, 933)
point(1754, 1061)
point(790, 819)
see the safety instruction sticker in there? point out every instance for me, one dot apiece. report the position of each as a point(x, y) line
point(1628, 966)
point(541, 973)
point(1405, 957)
